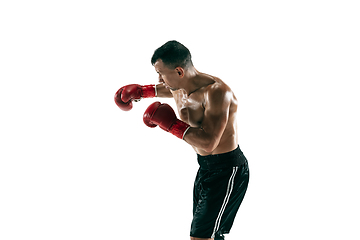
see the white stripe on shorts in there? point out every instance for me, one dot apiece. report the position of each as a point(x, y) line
point(225, 202)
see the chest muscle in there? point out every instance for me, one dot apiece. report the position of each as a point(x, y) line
point(190, 110)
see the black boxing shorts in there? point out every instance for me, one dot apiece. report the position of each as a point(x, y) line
point(219, 189)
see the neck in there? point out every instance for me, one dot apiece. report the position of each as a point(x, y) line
point(195, 80)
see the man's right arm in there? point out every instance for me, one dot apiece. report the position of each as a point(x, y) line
point(162, 91)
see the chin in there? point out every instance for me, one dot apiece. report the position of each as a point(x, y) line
point(172, 89)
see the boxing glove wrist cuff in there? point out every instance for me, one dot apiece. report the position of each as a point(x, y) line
point(179, 128)
point(148, 91)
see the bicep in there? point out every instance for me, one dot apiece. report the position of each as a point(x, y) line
point(216, 114)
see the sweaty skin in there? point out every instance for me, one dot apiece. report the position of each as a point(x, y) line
point(206, 103)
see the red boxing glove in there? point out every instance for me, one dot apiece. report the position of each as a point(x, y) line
point(125, 95)
point(164, 116)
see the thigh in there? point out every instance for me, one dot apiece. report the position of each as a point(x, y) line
point(214, 190)
point(219, 198)
point(235, 199)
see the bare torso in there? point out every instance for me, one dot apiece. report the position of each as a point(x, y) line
point(191, 110)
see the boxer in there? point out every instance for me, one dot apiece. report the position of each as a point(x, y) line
point(207, 108)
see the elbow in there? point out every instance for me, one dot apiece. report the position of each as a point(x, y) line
point(201, 140)
point(210, 146)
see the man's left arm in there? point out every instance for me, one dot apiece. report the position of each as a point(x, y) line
point(216, 115)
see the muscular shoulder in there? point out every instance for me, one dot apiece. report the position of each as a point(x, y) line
point(218, 93)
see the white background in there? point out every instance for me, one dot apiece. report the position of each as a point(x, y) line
point(74, 166)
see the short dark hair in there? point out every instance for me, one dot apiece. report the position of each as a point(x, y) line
point(173, 54)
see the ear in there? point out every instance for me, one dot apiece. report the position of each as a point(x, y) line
point(180, 71)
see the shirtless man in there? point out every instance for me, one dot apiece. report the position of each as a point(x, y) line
point(207, 108)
